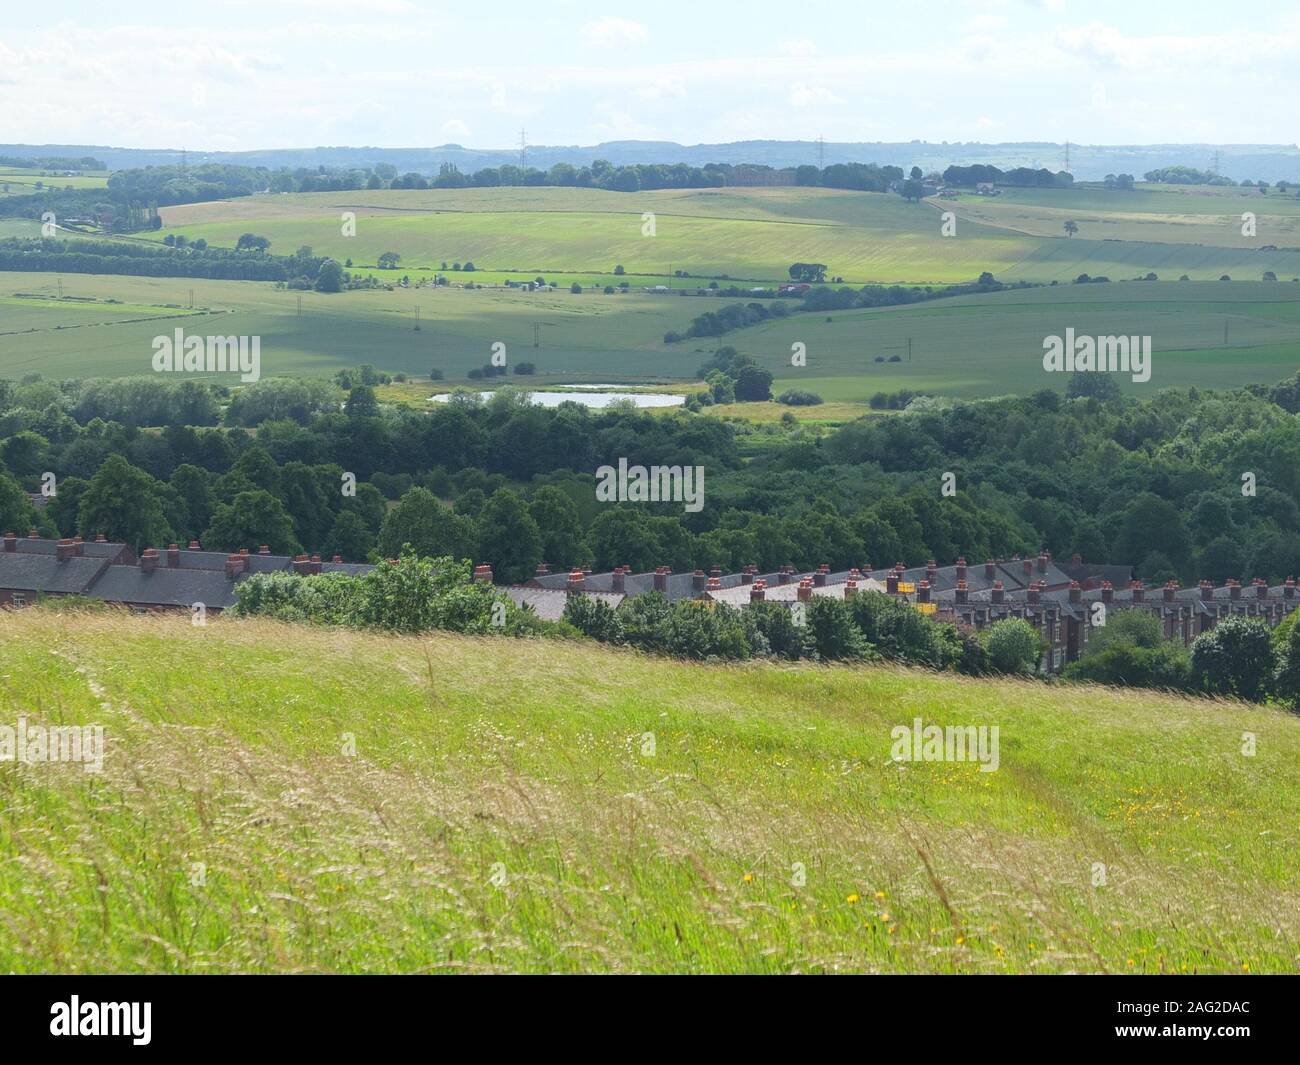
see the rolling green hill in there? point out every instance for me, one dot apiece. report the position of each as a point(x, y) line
point(280, 799)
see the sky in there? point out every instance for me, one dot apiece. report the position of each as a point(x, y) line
point(245, 74)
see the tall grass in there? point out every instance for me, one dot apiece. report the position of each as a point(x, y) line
point(518, 805)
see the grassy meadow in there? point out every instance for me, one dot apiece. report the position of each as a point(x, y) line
point(554, 807)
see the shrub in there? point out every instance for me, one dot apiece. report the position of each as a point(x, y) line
point(1236, 657)
point(774, 622)
point(1014, 646)
point(833, 630)
point(1287, 682)
point(594, 617)
point(796, 397)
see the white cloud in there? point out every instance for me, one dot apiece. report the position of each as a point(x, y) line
point(611, 32)
point(802, 95)
point(801, 47)
point(454, 127)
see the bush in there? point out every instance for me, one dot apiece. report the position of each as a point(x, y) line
point(1235, 658)
point(833, 630)
point(594, 617)
point(901, 632)
point(795, 397)
point(1014, 646)
point(774, 622)
point(1286, 684)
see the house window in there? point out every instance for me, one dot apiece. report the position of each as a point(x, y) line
point(19, 599)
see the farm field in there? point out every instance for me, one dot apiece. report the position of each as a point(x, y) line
point(15, 181)
point(754, 234)
point(500, 814)
point(965, 346)
point(1167, 214)
point(587, 335)
point(751, 234)
point(993, 344)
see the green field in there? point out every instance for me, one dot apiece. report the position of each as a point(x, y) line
point(754, 234)
point(970, 346)
point(966, 346)
point(554, 807)
point(20, 182)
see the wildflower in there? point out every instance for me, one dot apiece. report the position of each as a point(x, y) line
point(851, 899)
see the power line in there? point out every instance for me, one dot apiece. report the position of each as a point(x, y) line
point(821, 152)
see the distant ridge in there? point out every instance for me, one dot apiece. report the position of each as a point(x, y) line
point(1266, 162)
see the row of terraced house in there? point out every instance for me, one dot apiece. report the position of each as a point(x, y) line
point(1064, 603)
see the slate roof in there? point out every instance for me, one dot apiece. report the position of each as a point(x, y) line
point(131, 586)
point(44, 573)
point(26, 545)
point(548, 603)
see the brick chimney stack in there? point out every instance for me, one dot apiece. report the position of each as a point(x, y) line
point(962, 594)
point(990, 569)
point(1107, 592)
point(850, 588)
point(618, 579)
point(786, 574)
point(819, 578)
point(64, 550)
point(1261, 588)
point(891, 582)
point(1033, 595)
point(576, 582)
point(314, 568)
point(1207, 591)
point(1042, 562)
point(1076, 593)
point(931, 568)
point(714, 585)
point(805, 590)
point(999, 593)
point(758, 591)
point(1234, 589)
point(698, 581)
point(923, 592)
point(1027, 567)
point(149, 560)
point(11, 542)
point(483, 573)
point(173, 556)
point(1288, 589)
point(543, 570)
point(1076, 561)
point(1139, 591)
point(263, 550)
point(194, 546)
point(337, 559)
point(100, 538)
point(1170, 591)
point(301, 564)
point(661, 579)
point(234, 566)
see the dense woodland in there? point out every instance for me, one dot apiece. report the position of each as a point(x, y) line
point(1156, 483)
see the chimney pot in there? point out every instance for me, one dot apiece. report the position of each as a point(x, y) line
point(337, 558)
point(264, 550)
point(483, 573)
point(850, 588)
point(543, 569)
point(1076, 593)
point(819, 578)
point(194, 546)
point(576, 582)
point(805, 591)
point(100, 538)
